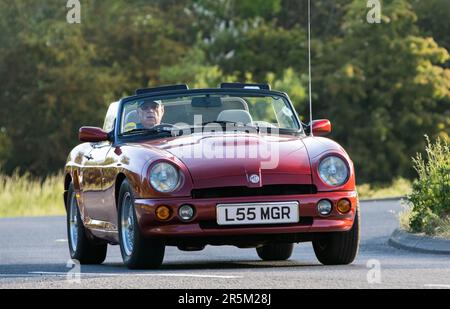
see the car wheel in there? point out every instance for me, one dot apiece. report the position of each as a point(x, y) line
point(338, 248)
point(82, 247)
point(137, 251)
point(275, 252)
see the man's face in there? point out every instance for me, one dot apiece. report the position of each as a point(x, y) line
point(150, 114)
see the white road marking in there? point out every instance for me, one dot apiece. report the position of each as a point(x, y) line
point(445, 286)
point(61, 240)
point(17, 276)
point(63, 274)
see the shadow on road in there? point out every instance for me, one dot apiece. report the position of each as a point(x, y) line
point(25, 270)
point(208, 265)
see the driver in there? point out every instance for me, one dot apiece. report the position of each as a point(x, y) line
point(150, 114)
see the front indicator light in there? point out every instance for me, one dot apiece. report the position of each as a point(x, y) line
point(324, 207)
point(344, 206)
point(163, 213)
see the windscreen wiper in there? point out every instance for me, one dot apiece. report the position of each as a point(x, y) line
point(157, 130)
point(222, 123)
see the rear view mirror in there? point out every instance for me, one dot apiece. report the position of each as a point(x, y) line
point(92, 135)
point(207, 102)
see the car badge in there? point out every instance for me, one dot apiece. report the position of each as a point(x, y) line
point(254, 179)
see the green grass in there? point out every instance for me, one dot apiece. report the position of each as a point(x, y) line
point(399, 188)
point(27, 196)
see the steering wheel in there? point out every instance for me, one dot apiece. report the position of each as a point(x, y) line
point(164, 126)
point(174, 130)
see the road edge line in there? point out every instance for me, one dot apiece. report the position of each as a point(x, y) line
point(386, 199)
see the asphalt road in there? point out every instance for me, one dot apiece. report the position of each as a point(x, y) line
point(34, 254)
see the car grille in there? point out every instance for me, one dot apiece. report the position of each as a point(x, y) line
point(270, 190)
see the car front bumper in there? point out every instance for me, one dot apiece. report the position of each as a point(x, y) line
point(205, 222)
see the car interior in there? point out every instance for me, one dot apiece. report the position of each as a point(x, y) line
point(230, 110)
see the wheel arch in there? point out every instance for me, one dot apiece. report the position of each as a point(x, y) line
point(121, 177)
point(67, 182)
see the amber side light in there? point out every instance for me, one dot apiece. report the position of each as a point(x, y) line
point(344, 206)
point(163, 213)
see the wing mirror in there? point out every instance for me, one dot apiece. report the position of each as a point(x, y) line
point(92, 135)
point(321, 127)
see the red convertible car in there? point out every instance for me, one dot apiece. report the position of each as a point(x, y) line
point(191, 168)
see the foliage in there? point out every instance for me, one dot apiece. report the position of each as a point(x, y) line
point(56, 77)
point(431, 13)
point(382, 85)
point(430, 198)
point(258, 49)
point(193, 71)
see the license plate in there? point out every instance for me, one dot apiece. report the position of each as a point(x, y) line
point(258, 213)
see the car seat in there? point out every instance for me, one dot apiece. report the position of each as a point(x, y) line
point(234, 115)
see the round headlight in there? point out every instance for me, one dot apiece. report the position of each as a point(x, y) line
point(333, 171)
point(164, 177)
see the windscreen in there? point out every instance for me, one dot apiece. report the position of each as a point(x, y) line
point(270, 111)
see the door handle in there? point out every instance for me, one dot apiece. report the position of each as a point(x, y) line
point(89, 157)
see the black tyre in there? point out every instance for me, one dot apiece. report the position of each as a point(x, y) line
point(338, 248)
point(82, 247)
point(137, 251)
point(275, 252)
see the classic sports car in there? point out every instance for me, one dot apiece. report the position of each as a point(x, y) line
point(190, 168)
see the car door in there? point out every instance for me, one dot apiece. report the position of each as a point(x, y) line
point(93, 180)
point(93, 172)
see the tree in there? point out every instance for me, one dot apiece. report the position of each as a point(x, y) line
point(433, 17)
point(56, 77)
point(387, 91)
point(326, 16)
point(384, 86)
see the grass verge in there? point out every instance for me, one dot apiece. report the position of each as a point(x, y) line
point(23, 195)
point(442, 225)
point(399, 188)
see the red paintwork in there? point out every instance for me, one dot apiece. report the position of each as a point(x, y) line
point(95, 172)
point(293, 167)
